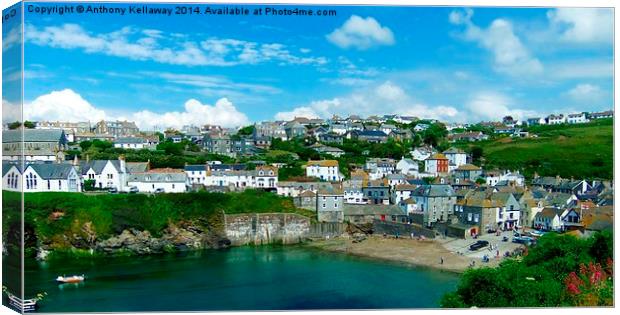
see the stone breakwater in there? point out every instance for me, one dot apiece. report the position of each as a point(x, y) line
point(276, 228)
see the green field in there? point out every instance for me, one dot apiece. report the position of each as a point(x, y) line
point(584, 151)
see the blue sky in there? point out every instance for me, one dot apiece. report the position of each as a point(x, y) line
point(451, 63)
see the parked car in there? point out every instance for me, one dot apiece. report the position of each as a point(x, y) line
point(133, 189)
point(112, 190)
point(478, 245)
point(523, 240)
point(158, 191)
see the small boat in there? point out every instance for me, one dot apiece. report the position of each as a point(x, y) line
point(72, 279)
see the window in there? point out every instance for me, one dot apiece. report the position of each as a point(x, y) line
point(335, 205)
point(324, 206)
point(476, 217)
point(48, 185)
point(469, 217)
point(59, 184)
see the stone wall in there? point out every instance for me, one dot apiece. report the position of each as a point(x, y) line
point(404, 230)
point(266, 228)
point(277, 228)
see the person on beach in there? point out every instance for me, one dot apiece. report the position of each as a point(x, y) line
point(441, 261)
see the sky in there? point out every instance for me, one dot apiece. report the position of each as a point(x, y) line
point(455, 64)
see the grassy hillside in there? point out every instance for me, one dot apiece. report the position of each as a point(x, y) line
point(579, 151)
point(54, 216)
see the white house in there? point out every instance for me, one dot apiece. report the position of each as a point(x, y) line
point(166, 179)
point(556, 119)
point(106, 173)
point(407, 166)
point(420, 127)
point(576, 118)
point(456, 157)
point(196, 174)
point(339, 129)
point(548, 219)
point(402, 192)
point(46, 177)
point(265, 177)
point(11, 177)
point(422, 153)
point(353, 193)
point(325, 170)
point(133, 143)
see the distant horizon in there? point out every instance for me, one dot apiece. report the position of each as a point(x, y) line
point(454, 64)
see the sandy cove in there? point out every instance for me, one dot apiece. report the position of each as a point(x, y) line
point(426, 253)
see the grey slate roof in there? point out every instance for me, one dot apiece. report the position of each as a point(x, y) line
point(34, 135)
point(97, 165)
point(196, 168)
point(52, 171)
point(158, 177)
point(6, 166)
point(130, 140)
point(434, 191)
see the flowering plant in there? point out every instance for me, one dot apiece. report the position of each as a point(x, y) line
point(592, 285)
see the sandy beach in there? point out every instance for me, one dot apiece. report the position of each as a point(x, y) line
point(426, 253)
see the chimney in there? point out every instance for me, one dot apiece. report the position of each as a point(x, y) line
point(87, 158)
point(148, 165)
point(75, 160)
point(123, 168)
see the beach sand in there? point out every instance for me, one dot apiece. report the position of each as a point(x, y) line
point(427, 253)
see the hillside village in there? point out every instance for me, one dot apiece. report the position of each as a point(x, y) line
point(393, 169)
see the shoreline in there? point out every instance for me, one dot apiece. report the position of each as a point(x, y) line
point(411, 252)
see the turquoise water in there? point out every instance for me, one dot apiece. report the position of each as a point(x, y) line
point(242, 278)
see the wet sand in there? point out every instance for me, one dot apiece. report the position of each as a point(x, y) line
point(427, 253)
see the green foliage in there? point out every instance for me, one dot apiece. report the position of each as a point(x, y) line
point(246, 131)
point(537, 279)
point(89, 184)
point(579, 151)
point(110, 214)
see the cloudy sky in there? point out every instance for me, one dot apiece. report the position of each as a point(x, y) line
point(451, 63)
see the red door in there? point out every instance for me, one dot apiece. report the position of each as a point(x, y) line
point(383, 217)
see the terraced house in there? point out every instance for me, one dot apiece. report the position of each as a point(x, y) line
point(34, 144)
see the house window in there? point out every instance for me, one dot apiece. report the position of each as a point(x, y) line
point(335, 205)
point(469, 217)
point(59, 184)
point(324, 206)
point(476, 217)
point(48, 185)
point(172, 186)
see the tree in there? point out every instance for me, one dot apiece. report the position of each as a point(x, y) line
point(14, 125)
point(85, 145)
point(29, 124)
point(246, 131)
point(476, 153)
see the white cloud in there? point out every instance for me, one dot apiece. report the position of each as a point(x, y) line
point(390, 91)
point(67, 105)
point(585, 92)
point(583, 25)
point(10, 112)
point(64, 105)
point(509, 54)
point(153, 45)
point(361, 34)
point(576, 69)
point(304, 111)
point(494, 106)
point(384, 98)
point(223, 113)
point(12, 38)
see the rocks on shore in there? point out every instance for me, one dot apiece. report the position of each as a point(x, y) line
point(173, 238)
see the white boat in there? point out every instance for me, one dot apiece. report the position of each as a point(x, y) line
point(72, 279)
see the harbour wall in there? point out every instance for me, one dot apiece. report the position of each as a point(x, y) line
point(276, 228)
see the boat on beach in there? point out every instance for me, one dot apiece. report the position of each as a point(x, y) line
point(72, 279)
